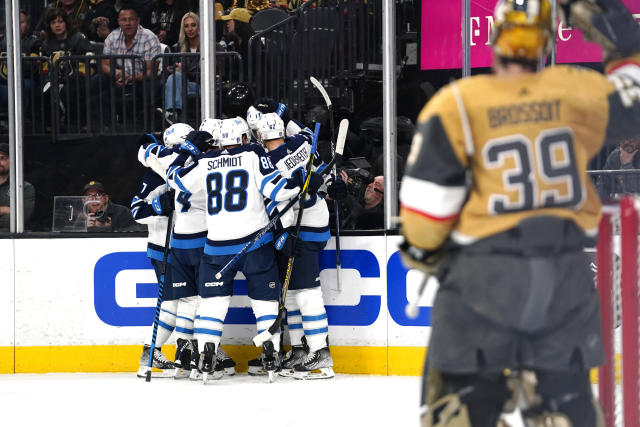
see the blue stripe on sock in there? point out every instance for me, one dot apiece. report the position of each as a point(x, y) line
point(211, 319)
point(266, 317)
point(165, 326)
point(314, 318)
point(295, 326)
point(293, 313)
point(185, 318)
point(207, 331)
point(184, 330)
point(168, 312)
point(316, 331)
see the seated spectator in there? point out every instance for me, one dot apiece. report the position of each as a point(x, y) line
point(101, 19)
point(76, 10)
point(129, 39)
point(624, 157)
point(188, 41)
point(29, 46)
point(28, 194)
point(163, 18)
point(101, 214)
point(238, 34)
point(359, 210)
point(61, 37)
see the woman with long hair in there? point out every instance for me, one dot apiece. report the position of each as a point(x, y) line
point(174, 89)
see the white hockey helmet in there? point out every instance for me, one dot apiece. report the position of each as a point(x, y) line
point(231, 132)
point(270, 126)
point(253, 117)
point(210, 125)
point(176, 134)
point(245, 129)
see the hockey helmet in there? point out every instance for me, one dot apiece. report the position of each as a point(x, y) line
point(176, 134)
point(244, 129)
point(212, 126)
point(231, 132)
point(523, 29)
point(237, 100)
point(253, 116)
point(270, 126)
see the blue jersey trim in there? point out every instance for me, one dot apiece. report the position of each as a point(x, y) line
point(221, 249)
point(275, 191)
point(188, 244)
point(267, 179)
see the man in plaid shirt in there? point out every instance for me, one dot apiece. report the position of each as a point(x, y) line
point(127, 74)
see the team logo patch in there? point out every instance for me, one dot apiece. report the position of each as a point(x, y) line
point(272, 285)
point(212, 284)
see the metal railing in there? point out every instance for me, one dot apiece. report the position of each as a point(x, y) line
point(613, 183)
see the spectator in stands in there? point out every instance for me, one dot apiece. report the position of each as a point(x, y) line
point(101, 19)
point(101, 214)
point(61, 37)
point(238, 33)
point(359, 211)
point(188, 41)
point(29, 46)
point(129, 39)
point(29, 192)
point(624, 157)
point(76, 10)
point(163, 18)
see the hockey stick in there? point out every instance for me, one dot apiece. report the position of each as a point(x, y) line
point(412, 310)
point(268, 333)
point(156, 320)
point(337, 159)
point(336, 205)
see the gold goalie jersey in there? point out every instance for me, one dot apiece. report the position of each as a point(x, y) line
point(527, 141)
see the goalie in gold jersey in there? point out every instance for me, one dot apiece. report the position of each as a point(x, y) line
point(497, 204)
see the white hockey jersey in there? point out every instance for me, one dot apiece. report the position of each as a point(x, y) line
point(293, 154)
point(235, 181)
point(190, 227)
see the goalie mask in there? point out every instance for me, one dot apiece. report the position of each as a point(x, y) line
point(176, 134)
point(523, 29)
point(270, 126)
point(231, 132)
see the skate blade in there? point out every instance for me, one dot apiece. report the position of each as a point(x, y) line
point(230, 371)
point(272, 376)
point(256, 372)
point(155, 373)
point(213, 376)
point(195, 375)
point(181, 373)
point(288, 373)
point(316, 374)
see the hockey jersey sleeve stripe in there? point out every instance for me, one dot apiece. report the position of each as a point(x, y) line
point(271, 206)
point(179, 183)
point(267, 179)
point(277, 188)
point(430, 199)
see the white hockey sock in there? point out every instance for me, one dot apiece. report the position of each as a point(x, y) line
point(210, 320)
point(294, 318)
point(266, 312)
point(314, 317)
point(166, 323)
point(186, 313)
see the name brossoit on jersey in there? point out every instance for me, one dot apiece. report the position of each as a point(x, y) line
point(233, 183)
point(530, 149)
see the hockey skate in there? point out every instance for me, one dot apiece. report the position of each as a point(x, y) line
point(207, 363)
point(294, 357)
point(182, 362)
point(163, 366)
point(270, 360)
point(225, 362)
point(317, 365)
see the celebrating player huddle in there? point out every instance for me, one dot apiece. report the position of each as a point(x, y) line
point(225, 193)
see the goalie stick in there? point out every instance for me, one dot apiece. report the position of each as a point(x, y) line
point(336, 206)
point(337, 159)
point(156, 320)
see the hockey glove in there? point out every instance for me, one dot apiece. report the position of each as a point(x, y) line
point(315, 182)
point(337, 190)
point(421, 259)
point(269, 105)
point(288, 244)
point(196, 142)
point(606, 22)
point(163, 204)
point(147, 138)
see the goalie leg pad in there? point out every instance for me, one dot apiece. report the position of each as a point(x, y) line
point(294, 318)
point(314, 317)
point(463, 400)
point(209, 321)
point(186, 313)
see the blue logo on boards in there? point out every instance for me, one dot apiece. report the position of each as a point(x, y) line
point(364, 313)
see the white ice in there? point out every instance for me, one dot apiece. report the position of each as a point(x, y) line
point(122, 400)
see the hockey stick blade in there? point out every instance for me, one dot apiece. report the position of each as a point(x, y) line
point(321, 89)
point(342, 136)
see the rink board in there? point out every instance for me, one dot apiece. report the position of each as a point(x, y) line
point(85, 305)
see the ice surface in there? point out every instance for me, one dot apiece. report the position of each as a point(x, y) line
point(122, 400)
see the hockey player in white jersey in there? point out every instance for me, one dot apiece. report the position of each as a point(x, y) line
point(306, 316)
point(151, 205)
point(235, 178)
point(187, 242)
